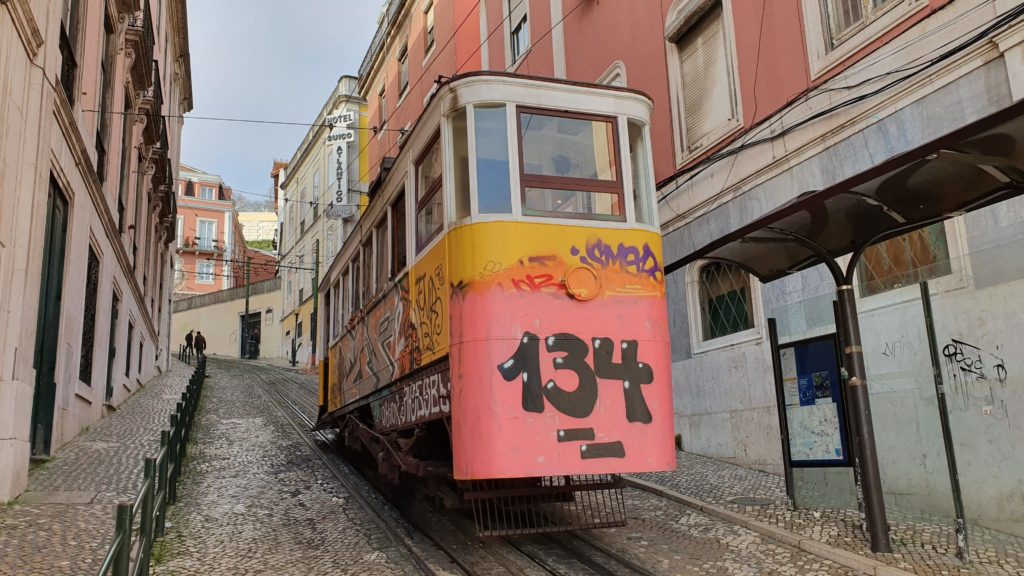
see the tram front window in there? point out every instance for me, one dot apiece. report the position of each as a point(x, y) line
point(570, 165)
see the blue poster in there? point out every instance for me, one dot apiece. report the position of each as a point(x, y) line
point(815, 412)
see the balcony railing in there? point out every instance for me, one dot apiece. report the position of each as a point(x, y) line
point(199, 244)
point(68, 66)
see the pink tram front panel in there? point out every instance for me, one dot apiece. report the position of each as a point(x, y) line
point(560, 363)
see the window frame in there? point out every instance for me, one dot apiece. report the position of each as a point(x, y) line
point(403, 70)
point(616, 186)
point(212, 273)
point(513, 59)
point(959, 278)
point(381, 254)
point(823, 54)
point(429, 28)
point(436, 187)
point(203, 188)
point(679, 23)
point(399, 200)
point(695, 319)
point(197, 238)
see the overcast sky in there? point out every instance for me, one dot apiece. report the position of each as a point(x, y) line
point(266, 60)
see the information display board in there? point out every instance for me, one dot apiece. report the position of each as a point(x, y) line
point(815, 407)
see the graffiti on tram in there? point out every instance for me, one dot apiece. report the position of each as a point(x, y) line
point(421, 398)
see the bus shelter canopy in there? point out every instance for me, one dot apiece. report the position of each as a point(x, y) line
point(970, 168)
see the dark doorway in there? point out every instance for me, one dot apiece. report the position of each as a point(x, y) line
point(112, 347)
point(48, 323)
point(249, 335)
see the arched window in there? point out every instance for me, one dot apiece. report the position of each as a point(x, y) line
point(726, 303)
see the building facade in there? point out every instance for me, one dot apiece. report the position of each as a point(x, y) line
point(258, 226)
point(87, 168)
point(812, 97)
point(319, 196)
point(210, 248)
point(220, 316)
point(757, 103)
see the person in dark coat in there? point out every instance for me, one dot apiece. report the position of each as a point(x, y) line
point(200, 344)
point(189, 349)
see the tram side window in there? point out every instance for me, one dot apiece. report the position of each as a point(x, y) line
point(398, 235)
point(345, 303)
point(381, 235)
point(460, 161)
point(570, 165)
point(429, 200)
point(494, 193)
point(336, 317)
point(356, 291)
point(367, 273)
point(638, 158)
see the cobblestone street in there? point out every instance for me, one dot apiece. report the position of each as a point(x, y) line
point(920, 545)
point(255, 499)
point(64, 522)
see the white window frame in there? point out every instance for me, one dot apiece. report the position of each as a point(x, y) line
point(403, 70)
point(179, 231)
point(822, 56)
point(512, 64)
point(200, 274)
point(959, 278)
point(429, 31)
point(681, 18)
point(199, 239)
point(204, 187)
point(693, 306)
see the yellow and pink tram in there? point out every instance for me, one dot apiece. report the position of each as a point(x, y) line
point(498, 314)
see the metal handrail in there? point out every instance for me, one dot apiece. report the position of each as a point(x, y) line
point(159, 489)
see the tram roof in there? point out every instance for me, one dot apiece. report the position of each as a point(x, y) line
point(967, 169)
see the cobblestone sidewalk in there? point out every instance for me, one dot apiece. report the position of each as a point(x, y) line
point(255, 499)
point(64, 521)
point(921, 545)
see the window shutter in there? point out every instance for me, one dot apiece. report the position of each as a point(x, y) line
point(706, 88)
point(190, 189)
point(516, 12)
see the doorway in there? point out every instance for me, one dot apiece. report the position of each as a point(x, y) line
point(249, 335)
point(48, 323)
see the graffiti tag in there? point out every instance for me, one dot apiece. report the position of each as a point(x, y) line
point(638, 260)
point(425, 397)
point(429, 307)
point(964, 361)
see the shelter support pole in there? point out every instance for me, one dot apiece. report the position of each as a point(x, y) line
point(963, 551)
point(860, 414)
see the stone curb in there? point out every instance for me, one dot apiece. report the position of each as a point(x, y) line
point(809, 545)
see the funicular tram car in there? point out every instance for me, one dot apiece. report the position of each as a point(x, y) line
point(496, 324)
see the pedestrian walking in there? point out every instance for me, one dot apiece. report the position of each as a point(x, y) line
point(189, 349)
point(200, 343)
point(254, 347)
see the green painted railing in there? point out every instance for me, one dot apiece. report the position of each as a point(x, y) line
point(138, 523)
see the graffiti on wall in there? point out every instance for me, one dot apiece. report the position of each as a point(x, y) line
point(978, 377)
point(967, 362)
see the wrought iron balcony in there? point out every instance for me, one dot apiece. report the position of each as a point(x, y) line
point(199, 244)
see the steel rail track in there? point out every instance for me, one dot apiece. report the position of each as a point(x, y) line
point(376, 511)
point(524, 559)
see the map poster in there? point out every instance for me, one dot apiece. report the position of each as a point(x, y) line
point(815, 413)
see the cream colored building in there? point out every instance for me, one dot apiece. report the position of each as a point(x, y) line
point(92, 96)
point(218, 315)
point(258, 225)
point(318, 203)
